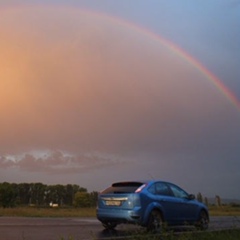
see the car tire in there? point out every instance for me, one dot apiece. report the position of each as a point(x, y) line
point(109, 225)
point(155, 222)
point(202, 223)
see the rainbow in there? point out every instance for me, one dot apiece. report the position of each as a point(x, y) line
point(198, 65)
point(186, 57)
point(165, 42)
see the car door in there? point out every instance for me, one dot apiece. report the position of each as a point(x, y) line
point(163, 195)
point(184, 206)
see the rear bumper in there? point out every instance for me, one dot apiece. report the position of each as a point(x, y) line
point(119, 215)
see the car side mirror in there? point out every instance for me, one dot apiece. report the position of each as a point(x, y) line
point(191, 196)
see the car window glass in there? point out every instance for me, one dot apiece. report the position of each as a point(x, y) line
point(125, 187)
point(178, 192)
point(152, 189)
point(160, 189)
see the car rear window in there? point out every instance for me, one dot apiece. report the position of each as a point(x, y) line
point(123, 187)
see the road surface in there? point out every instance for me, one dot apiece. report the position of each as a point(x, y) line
point(20, 228)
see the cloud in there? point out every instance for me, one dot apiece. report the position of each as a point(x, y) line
point(56, 162)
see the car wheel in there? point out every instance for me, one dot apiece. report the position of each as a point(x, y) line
point(203, 221)
point(155, 222)
point(109, 225)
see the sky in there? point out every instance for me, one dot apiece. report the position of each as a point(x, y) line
point(93, 92)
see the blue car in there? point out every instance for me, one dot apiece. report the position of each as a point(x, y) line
point(150, 204)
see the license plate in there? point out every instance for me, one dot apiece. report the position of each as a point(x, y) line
point(113, 203)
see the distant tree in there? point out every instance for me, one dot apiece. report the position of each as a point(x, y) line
point(41, 194)
point(23, 193)
point(218, 201)
point(199, 197)
point(55, 193)
point(69, 195)
point(60, 193)
point(82, 199)
point(48, 195)
point(8, 195)
point(36, 193)
point(93, 199)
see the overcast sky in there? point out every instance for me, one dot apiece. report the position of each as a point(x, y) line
point(90, 94)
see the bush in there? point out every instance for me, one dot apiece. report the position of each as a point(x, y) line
point(82, 199)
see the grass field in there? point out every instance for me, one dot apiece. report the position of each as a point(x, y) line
point(224, 211)
point(47, 212)
point(91, 212)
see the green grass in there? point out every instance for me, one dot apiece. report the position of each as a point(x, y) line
point(224, 211)
point(47, 212)
point(91, 212)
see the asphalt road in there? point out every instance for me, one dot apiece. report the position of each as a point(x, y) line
point(19, 228)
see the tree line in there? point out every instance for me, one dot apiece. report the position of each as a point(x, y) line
point(39, 194)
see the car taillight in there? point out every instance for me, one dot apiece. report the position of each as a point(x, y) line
point(140, 188)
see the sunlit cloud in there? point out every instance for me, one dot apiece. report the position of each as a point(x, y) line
point(57, 162)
